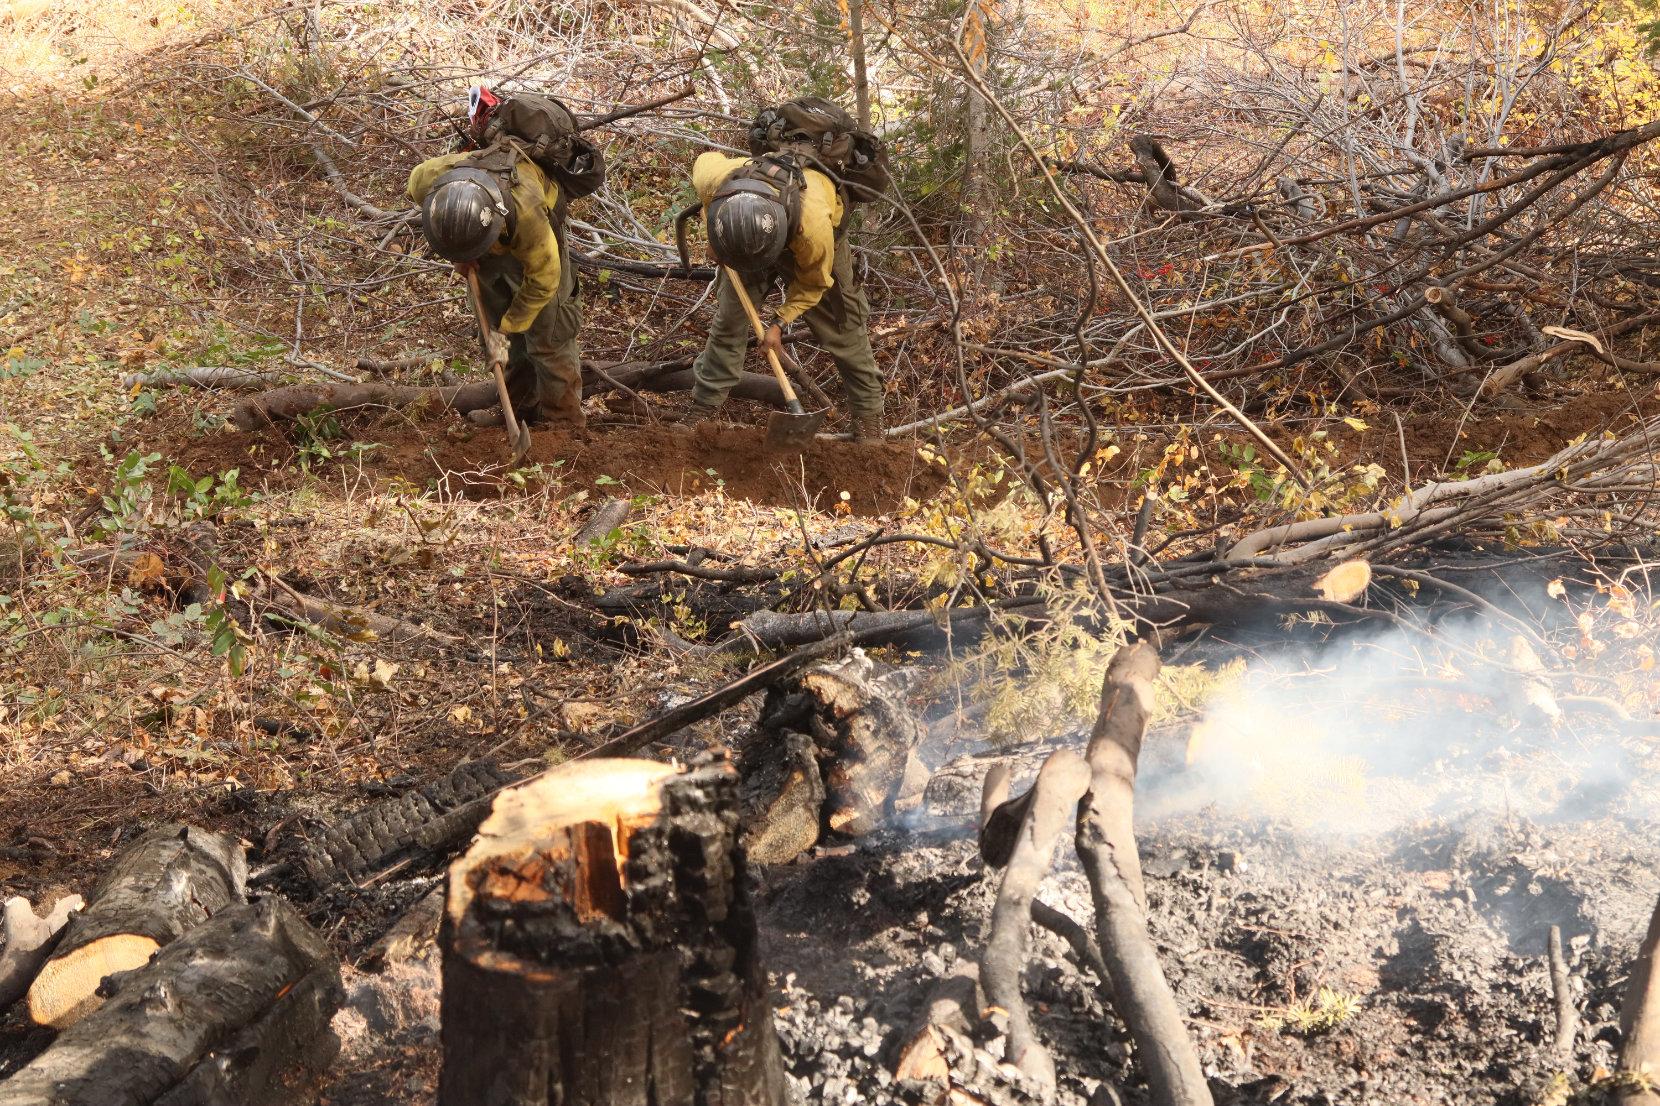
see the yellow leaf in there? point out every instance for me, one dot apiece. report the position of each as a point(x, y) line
point(1357, 425)
point(146, 572)
point(1555, 589)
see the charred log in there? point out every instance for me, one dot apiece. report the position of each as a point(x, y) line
point(170, 880)
point(868, 745)
point(234, 1013)
point(421, 826)
point(603, 911)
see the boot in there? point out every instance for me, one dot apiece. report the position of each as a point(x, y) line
point(867, 428)
point(691, 413)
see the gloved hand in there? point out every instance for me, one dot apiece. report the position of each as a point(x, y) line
point(773, 340)
point(495, 344)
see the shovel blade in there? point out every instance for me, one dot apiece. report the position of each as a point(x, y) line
point(793, 432)
point(521, 446)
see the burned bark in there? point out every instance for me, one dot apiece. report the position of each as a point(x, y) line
point(608, 516)
point(1107, 847)
point(170, 880)
point(234, 1013)
point(599, 947)
point(1045, 810)
point(419, 826)
point(867, 741)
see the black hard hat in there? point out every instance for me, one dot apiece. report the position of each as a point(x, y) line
point(465, 214)
point(748, 226)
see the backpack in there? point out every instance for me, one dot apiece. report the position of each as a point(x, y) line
point(548, 131)
point(781, 172)
point(822, 131)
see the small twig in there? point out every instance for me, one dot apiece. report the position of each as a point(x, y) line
point(1567, 1018)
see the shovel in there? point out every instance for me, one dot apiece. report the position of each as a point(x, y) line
point(517, 431)
point(792, 429)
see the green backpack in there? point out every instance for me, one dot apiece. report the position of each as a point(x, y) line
point(822, 132)
point(548, 130)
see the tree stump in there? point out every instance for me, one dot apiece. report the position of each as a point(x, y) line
point(599, 947)
point(169, 880)
point(234, 1013)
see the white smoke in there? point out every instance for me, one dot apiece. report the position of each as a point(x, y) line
point(1363, 736)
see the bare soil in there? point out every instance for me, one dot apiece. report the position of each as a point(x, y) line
point(618, 460)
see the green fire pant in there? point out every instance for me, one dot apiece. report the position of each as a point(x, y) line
point(840, 323)
point(544, 364)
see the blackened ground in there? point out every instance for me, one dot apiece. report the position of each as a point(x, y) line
point(1432, 938)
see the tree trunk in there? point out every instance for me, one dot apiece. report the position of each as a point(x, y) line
point(861, 78)
point(234, 1013)
point(599, 947)
point(1106, 845)
point(171, 879)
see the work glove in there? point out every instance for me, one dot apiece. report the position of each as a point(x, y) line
point(495, 345)
point(773, 340)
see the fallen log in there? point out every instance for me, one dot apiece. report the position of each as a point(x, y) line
point(420, 826)
point(281, 405)
point(26, 940)
point(1045, 811)
point(1107, 848)
point(228, 378)
point(603, 911)
point(234, 1013)
point(169, 881)
point(678, 718)
point(773, 630)
point(1640, 1022)
point(353, 623)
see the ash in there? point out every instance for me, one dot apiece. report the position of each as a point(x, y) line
point(1407, 968)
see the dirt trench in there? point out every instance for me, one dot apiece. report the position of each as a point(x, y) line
point(876, 478)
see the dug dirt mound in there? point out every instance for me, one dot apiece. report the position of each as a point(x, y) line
point(871, 478)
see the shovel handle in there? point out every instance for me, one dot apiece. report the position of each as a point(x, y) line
point(761, 336)
point(508, 417)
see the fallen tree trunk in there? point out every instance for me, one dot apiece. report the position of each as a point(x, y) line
point(603, 911)
point(204, 376)
point(1640, 1021)
point(773, 630)
point(1107, 847)
point(234, 1013)
point(162, 885)
point(26, 940)
point(281, 405)
point(353, 623)
point(422, 824)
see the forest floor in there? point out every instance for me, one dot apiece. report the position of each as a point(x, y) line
point(1440, 991)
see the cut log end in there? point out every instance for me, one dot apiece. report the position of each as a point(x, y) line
point(603, 905)
point(66, 990)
